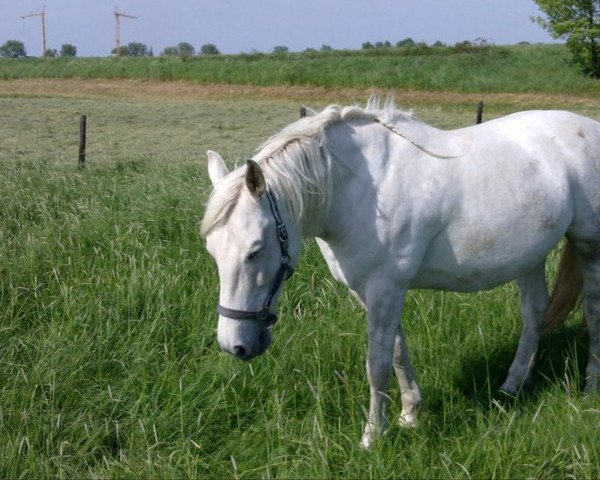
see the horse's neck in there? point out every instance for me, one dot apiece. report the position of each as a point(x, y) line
point(358, 148)
point(366, 153)
point(375, 162)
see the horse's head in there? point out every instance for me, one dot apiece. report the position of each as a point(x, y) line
point(253, 255)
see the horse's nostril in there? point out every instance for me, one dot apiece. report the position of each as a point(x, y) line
point(239, 351)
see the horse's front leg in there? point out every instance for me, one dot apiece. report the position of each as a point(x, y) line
point(384, 306)
point(412, 396)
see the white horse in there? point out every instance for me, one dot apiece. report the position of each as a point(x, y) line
point(396, 204)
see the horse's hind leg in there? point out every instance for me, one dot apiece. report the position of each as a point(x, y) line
point(590, 269)
point(534, 302)
point(409, 388)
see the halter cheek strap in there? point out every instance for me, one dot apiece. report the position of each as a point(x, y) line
point(285, 271)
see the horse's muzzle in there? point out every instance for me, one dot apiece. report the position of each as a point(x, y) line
point(247, 350)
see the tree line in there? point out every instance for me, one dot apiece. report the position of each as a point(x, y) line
point(16, 49)
point(185, 50)
point(182, 49)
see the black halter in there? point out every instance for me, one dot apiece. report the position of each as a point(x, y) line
point(285, 271)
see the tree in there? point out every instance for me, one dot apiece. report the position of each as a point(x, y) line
point(137, 49)
point(133, 49)
point(51, 52)
point(577, 21)
point(68, 50)
point(183, 50)
point(186, 49)
point(209, 49)
point(169, 52)
point(123, 51)
point(385, 44)
point(406, 43)
point(281, 50)
point(13, 49)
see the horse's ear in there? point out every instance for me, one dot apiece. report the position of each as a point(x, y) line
point(216, 167)
point(255, 180)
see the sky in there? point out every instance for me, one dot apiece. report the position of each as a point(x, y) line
point(237, 26)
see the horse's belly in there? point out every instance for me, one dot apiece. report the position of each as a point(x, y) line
point(463, 280)
point(498, 234)
point(482, 263)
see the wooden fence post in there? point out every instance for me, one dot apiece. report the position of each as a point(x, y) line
point(82, 140)
point(479, 112)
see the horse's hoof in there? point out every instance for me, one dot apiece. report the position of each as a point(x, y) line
point(370, 436)
point(408, 420)
point(507, 393)
point(509, 389)
point(366, 442)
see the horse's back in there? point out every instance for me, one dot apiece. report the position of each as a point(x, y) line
point(549, 152)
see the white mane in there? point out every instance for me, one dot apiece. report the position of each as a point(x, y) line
point(296, 162)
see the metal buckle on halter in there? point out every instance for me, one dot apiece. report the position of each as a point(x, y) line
point(267, 317)
point(282, 235)
point(263, 314)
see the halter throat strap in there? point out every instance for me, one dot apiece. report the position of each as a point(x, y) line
point(285, 271)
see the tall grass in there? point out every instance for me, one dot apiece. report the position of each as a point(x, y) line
point(109, 365)
point(522, 68)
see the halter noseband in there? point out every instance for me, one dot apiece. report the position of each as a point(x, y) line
point(285, 271)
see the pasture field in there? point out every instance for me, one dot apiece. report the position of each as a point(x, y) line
point(109, 365)
point(470, 68)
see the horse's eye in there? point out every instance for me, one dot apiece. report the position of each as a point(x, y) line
point(253, 254)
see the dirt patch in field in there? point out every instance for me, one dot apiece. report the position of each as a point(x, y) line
point(155, 90)
point(158, 90)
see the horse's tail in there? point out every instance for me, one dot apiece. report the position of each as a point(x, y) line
point(567, 289)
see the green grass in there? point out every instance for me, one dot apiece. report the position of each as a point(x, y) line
point(522, 68)
point(109, 365)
